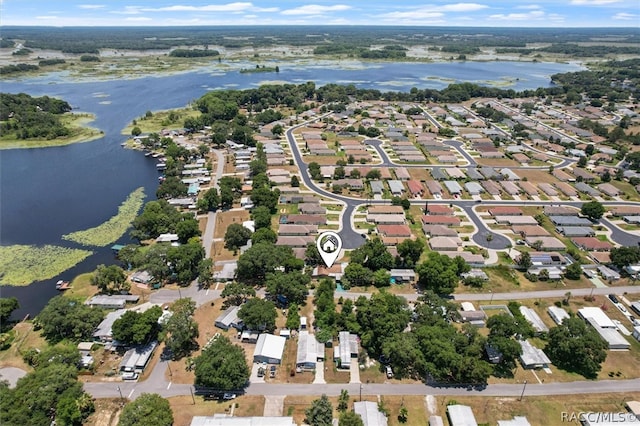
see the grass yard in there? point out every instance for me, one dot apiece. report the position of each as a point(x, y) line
point(224, 219)
point(333, 374)
point(497, 162)
point(160, 120)
point(184, 409)
point(537, 176)
point(283, 371)
point(24, 338)
point(628, 191)
point(420, 174)
point(415, 405)
point(81, 287)
point(539, 410)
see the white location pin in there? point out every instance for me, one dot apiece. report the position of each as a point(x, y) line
point(329, 245)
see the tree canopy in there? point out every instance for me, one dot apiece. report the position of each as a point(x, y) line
point(222, 366)
point(289, 287)
point(64, 318)
point(135, 328)
point(441, 273)
point(574, 346)
point(149, 409)
point(235, 294)
point(320, 413)
point(592, 209)
point(625, 256)
point(181, 328)
point(262, 259)
point(258, 314)
point(110, 279)
point(236, 236)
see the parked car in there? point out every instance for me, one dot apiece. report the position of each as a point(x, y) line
point(130, 375)
point(272, 371)
point(613, 298)
point(261, 372)
point(389, 372)
point(229, 396)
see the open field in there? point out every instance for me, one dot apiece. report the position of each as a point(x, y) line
point(539, 410)
point(80, 131)
point(226, 218)
point(184, 409)
point(24, 338)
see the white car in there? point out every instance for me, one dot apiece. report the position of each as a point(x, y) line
point(229, 396)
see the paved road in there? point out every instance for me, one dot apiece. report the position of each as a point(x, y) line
point(133, 390)
point(458, 145)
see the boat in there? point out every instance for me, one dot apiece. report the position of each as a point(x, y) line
point(63, 285)
point(161, 166)
point(148, 153)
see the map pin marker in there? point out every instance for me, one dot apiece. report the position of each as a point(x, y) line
point(329, 245)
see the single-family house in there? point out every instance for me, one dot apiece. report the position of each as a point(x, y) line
point(402, 231)
point(505, 211)
point(546, 243)
point(229, 318)
point(576, 231)
point(269, 349)
point(439, 209)
point(445, 243)
point(591, 244)
point(461, 415)
point(533, 357)
point(557, 314)
point(345, 350)
point(396, 187)
point(440, 220)
point(310, 351)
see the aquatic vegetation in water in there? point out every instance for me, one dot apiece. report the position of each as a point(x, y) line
point(24, 264)
point(111, 230)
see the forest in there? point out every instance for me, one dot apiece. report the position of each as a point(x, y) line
point(26, 117)
point(80, 40)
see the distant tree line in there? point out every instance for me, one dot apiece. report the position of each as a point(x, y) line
point(193, 53)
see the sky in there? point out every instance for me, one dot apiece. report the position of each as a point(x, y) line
point(488, 13)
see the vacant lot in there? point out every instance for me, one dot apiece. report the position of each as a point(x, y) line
point(107, 412)
point(539, 410)
point(224, 219)
point(24, 338)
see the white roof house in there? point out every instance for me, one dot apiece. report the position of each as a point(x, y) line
point(557, 314)
point(309, 351)
point(533, 357)
point(229, 318)
point(599, 317)
point(534, 319)
point(369, 413)
point(474, 188)
point(453, 187)
point(461, 415)
point(346, 349)
point(103, 331)
point(269, 349)
point(226, 420)
point(396, 187)
point(610, 335)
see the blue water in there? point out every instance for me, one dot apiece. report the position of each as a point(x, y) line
point(45, 193)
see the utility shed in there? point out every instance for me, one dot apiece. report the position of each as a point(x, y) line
point(269, 349)
point(369, 413)
point(461, 415)
point(309, 351)
point(534, 319)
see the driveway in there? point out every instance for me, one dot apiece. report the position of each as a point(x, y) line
point(11, 375)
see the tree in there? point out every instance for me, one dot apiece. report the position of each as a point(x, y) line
point(135, 328)
point(592, 209)
point(380, 317)
point(356, 275)
point(110, 279)
point(187, 229)
point(350, 418)
point(290, 287)
point(373, 174)
point(185, 261)
point(261, 217)
point(210, 200)
point(293, 317)
point(205, 273)
point(264, 235)
point(381, 278)
point(262, 259)
point(403, 414)
point(582, 161)
point(524, 260)
point(440, 273)
point(136, 131)
point(149, 409)
point(235, 294)
point(312, 255)
point(64, 318)
point(343, 401)
point(410, 252)
point(573, 271)
point(295, 181)
point(181, 328)
point(7, 306)
point(236, 236)
point(314, 171)
point(576, 347)
point(42, 395)
point(625, 256)
point(258, 314)
point(320, 413)
point(373, 254)
point(222, 366)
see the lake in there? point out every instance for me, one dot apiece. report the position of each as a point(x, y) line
point(48, 192)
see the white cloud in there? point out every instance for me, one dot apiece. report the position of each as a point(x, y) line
point(593, 2)
point(529, 7)
point(315, 9)
point(460, 7)
point(229, 7)
point(46, 17)
point(414, 14)
point(536, 14)
point(138, 19)
point(91, 6)
point(128, 10)
point(622, 16)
